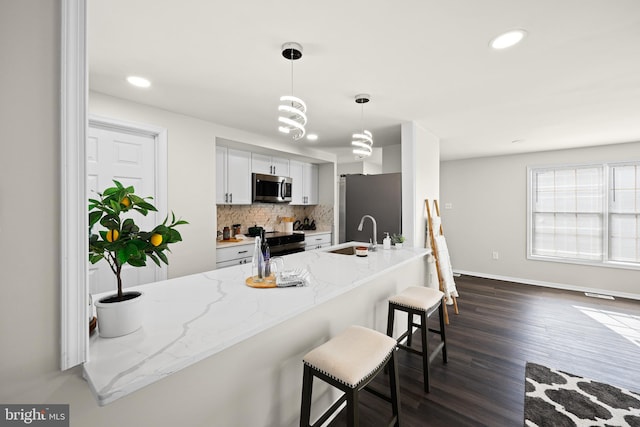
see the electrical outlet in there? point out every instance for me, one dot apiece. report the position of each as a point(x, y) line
point(495, 255)
point(448, 205)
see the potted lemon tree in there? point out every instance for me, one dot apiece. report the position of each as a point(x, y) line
point(121, 242)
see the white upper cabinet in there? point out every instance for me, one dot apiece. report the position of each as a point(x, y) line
point(311, 183)
point(233, 176)
point(304, 190)
point(297, 178)
point(269, 165)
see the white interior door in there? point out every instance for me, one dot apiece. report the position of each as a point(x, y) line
point(128, 156)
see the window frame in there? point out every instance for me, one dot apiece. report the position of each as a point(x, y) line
point(605, 213)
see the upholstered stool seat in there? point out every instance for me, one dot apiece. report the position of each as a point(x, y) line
point(349, 362)
point(423, 302)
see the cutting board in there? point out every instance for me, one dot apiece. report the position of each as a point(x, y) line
point(269, 283)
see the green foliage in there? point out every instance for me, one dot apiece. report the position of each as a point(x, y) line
point(397, 238)
point(130, 245)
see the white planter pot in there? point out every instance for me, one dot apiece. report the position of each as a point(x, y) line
point(116, 319)
point(398, 245)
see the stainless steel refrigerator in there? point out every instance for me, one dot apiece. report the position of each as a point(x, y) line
point(377, 195)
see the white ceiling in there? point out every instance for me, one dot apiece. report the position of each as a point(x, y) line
point(574, 81)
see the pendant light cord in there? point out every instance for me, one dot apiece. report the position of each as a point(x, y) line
point(291, 60)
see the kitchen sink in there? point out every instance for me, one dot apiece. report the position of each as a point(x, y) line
point(349, 250)
point(359, 250)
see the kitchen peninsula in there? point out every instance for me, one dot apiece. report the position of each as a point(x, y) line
point(240, 349)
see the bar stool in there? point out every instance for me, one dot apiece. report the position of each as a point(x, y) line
point(423, 302)
point(349, 362)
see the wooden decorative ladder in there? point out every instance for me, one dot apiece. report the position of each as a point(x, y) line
point(434, 248)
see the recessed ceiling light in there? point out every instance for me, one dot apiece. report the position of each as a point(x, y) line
point(138, 81)
point(312, 137)
point(508, 39)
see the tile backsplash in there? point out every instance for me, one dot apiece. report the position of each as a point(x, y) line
point(268, 215)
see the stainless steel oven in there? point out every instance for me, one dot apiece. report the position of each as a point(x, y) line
point(285, 243)
point(271, 188)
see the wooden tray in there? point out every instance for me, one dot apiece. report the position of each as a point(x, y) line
point(269, 283)
point(92, 324)
point(233, 240)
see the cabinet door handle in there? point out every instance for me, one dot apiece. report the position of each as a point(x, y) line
point(226, 197)
point(242, 252)
point(230, 197)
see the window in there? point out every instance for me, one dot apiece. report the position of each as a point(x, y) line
point(585, 214)
point(624, 213)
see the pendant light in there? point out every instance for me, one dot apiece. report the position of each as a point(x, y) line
point(363, 141)
point(292, 110)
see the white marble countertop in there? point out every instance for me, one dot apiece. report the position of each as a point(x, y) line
point(193, 317)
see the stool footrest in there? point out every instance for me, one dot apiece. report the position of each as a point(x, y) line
point(329, 412)
point(403, 336)
point(378, 393)
point(393, 422)
point(410, 349)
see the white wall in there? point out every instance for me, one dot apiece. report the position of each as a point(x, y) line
point(489, 213)
point(370, 168)
point(360, 167)
point(349, 168)
point(392, 158)
point(420, 179)
point(29, 205)
point(191, 178)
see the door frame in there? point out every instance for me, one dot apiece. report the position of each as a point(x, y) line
point(74, 221)
point(159, 136)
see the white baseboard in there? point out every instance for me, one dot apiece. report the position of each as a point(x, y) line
point(549, 284)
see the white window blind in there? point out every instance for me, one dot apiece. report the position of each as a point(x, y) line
point(585, 213)
point(624, 213)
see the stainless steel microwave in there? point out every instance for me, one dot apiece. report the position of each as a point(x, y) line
point(271, 188)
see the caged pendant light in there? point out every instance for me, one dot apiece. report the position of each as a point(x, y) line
point(292, 110)
point(363, 141)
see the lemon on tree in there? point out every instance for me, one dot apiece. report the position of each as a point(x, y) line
point(121, 241)
point(112, 235)
point(156, 239)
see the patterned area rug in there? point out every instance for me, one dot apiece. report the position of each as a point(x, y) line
point(558, 399)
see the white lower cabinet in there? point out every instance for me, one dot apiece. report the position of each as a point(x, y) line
point(317, 241)
point(234, 255)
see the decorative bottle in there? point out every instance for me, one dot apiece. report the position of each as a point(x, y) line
point(266, 255)
point(257, 263)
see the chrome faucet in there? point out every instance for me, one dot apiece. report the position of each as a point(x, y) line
point(372, 242)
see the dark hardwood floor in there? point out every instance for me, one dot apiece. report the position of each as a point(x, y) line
point(501, 326)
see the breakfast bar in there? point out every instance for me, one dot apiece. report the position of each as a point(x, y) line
point(239, 347)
